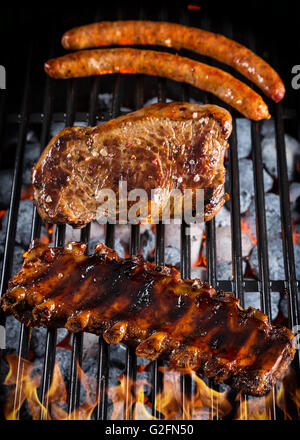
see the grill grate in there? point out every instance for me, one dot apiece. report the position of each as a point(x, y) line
point(237, 286)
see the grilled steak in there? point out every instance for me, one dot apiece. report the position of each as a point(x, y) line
point(166, 146)
point(152, 309)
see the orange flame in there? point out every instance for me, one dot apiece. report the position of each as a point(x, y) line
point(203, 403)
point(245, 228)
point(26, 384)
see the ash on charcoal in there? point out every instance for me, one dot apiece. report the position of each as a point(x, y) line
point(295, 201)
point(222, 218)
point(269, 156)
point(31, 155)
point(172, 256)
point(105, 102)
point(252, 299)
point(6, 178)
point(223, 244)
point(273, 218)
point(243, 130)
point(56, 127)
point(24, 222)
point(39, 339)
point(247, 183)
point(90, 346)
point(276, 264)
point(12, 331)
point(267, 128)
point(283, 304)
point(17, 259)
point(147, 242)
point(23, 225)
point(224, 270)
point(199, 272)
point(117, 245)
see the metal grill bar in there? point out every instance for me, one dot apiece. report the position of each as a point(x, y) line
point(287, 233)
point(157, 376)
point(103, 369)
point(12, 225)
point(238, 286)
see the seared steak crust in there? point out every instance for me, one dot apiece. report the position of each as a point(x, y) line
point(175, 145)
point(151, 308)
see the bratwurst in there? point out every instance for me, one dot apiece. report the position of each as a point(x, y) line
point(178, 36)
point(149, 62)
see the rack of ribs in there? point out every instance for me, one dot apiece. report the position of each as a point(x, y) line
point(159, 147)
point(152, 309)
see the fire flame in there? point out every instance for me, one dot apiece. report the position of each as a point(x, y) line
point(23, 381)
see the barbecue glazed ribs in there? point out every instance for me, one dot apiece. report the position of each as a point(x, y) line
point(151, 308)
point(167, 146)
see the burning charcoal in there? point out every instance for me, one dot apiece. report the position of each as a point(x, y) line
point(276, 264)
point(199, 272)
point(105, 100)
point(117, 357)
point(196, 240)
point(24, 222)
point(117, 246)
point(12, 333)
point(172, 235)
point(90, 345)
point(39, 338)
point(18, 259)
point(295, 201)
point(222, 218)
point(56, 127)
point(147, 243)
point(269, 156)
point(6, 178)
point(31, 155)
point(223, 244)
point(283, 304)
point(267, 128)
point(247, 183)
point(224, 270)
point(243, 129)
point(63, 357)
point(172, 256)
point(23, 225)
point(273, 219)
point(252, 299)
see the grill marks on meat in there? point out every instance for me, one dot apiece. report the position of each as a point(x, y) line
point(175, 35)
point(166, 146)
point(152, 309)
point(149, 62)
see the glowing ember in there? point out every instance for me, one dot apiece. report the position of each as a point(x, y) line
point(27, 193)
point(245, 228)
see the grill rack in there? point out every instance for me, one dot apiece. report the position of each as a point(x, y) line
point(238, 286)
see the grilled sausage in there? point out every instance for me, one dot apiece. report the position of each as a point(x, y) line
point(149, 62)
point(178, 36)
